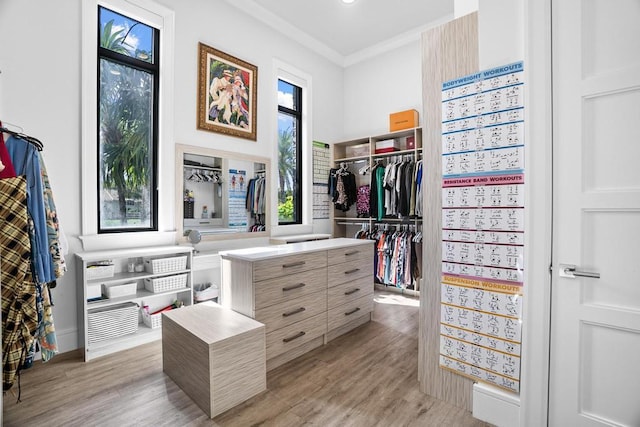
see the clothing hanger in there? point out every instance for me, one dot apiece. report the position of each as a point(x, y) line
point(30, 139)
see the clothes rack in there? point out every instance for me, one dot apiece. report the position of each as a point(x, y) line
point(33, 256)
point(30, 139)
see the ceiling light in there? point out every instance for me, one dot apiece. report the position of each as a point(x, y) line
point(348, 1)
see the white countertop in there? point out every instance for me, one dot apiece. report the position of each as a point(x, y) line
point(267, 252)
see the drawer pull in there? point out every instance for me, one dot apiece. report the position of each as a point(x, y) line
point(294, 264)
point(350, 253)
point(292, 312)
point(348, 313)
point(352, 271)
point(292, 287)
point(296, 336)
point(352, 291)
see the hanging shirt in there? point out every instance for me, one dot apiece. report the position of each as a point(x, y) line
point(8, 171)
point(19, 315)
point(25, 159)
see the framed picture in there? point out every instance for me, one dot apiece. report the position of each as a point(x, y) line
point(227, 94)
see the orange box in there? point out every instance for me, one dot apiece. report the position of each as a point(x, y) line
point(403, 120)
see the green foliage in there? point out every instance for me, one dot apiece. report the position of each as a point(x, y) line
point(285, 210)
point(113, 40)
point(125, 102)
point(286, 163)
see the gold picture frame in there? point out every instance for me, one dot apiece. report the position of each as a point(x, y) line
point(227, 93)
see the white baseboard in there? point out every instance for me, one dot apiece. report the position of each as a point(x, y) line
point(67, 340)
point(496, 406)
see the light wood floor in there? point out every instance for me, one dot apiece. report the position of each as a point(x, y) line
point(367, 377)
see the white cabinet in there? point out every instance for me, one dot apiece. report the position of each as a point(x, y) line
point(110, 324)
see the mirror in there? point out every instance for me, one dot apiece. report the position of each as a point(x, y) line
point(220, 195)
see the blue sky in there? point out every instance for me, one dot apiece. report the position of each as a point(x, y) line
point(138, 38)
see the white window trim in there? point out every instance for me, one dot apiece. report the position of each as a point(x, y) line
point(290, 74)
point(150, 13)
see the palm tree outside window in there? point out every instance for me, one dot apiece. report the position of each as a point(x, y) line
point(289, 153)
point(128, 73)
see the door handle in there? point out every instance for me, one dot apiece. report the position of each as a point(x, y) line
point(571, 272)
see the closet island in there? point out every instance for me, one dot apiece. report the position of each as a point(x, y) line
point(305, 293)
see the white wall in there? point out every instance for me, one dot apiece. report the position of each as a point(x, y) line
point(390, 82)
point(40, 65)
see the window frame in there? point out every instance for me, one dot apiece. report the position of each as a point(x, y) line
point(297, 115)
point(153, 14)
point(152, 68)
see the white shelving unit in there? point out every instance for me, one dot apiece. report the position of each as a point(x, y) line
point(346, 224)
point(119, 258)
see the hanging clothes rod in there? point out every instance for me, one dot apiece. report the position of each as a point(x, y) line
point(352, 223)
point(30, 139)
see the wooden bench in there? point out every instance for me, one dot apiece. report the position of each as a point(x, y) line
point(215, 355)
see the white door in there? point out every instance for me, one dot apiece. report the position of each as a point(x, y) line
point(595, 336)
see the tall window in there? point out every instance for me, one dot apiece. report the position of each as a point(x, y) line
point(128, 75)
point(289, 153)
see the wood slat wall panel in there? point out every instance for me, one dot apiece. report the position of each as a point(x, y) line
point(448, 51)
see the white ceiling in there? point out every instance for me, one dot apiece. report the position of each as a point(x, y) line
point(346, 33)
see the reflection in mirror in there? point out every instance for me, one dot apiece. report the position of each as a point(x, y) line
point(224, 195)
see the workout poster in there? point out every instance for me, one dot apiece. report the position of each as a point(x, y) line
point(237, 199)
point(483, 225)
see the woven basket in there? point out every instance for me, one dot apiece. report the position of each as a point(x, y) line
point(94, 272)
point(165, 265)
point(167, 283)
point(112, 322)
point(152, 321)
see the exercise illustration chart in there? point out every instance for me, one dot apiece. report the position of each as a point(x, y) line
point(483, 242)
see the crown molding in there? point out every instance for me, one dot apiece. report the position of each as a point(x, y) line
point(393, 43)
point(270, 19)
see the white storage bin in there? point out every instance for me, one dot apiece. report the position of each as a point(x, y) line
point(359, 150)
point(119, 290)
point(99, 271)
point(112, 322)
point(94, 291)
point(167, 283)
point(165, 265)
point(152, 321)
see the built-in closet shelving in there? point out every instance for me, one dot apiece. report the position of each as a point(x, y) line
point(348, 223)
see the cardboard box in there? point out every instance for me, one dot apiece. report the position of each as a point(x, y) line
point(403, 120)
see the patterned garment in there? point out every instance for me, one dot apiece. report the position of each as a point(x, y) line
point(19, 316)
point(46, 330)
point(362, 202)
point(53, 226)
